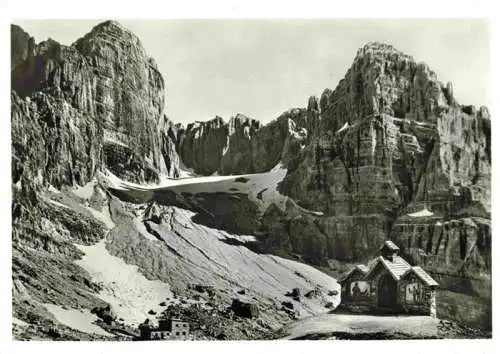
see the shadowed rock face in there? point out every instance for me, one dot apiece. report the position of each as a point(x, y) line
point(107, 79)
point(22, 45)
point(243, 145)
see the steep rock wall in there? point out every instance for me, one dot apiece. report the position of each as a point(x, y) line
point(107, 77)
point(243, 145)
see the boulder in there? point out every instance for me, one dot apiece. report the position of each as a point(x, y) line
point(313, 293)
point(294, 293)
point(106, 313)
point(329, 305)
point(244, 309)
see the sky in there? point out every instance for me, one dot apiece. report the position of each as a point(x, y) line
point(262, 68)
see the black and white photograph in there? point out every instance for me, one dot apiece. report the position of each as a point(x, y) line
point(262, 179)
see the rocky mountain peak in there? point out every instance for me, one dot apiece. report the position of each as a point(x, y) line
point(383, 79)
point(381, 50)
point(109, 29)
point(313, 104)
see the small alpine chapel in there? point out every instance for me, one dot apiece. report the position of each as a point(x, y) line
point(388, 284)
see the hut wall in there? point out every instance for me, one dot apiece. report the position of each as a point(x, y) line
point(416, 297)
point(356, 293)
point(374, 280)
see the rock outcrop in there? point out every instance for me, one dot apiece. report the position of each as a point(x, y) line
point(243, 145)
point(22, 46)
point(103, 91)
point(76, 110)
point(393, 139)
point(393, 146)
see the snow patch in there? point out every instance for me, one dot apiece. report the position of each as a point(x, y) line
point(226, 148)
point(85, 191)
point(113, 138)
point(130, 294)
point(279, 166)
point(344, 127)
point(104, 216)
point(115, 141)
point(246, 132)
point(57, 203)
point(51, 189)
point(79, 320)
point(110, 180)
point(422, 213)
point(297, 134)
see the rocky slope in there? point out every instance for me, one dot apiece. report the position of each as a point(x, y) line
point(389, 153)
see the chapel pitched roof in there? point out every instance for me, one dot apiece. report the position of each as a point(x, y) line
point(396, 268)
point(361, 267)
point(423, 275)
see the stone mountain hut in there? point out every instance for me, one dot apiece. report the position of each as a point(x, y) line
point(168, 328)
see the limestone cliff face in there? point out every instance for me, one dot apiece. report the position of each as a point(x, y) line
point(243, 145)
point(392, 138)
point(458, 171)
point(396, 156)
point(76, 110)
point(456, 250)
point(385, 80)
point(52, 142)
point(107, 78)
point(202, 145)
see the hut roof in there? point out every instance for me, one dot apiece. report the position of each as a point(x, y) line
point(396, 268)
point(361, 267)
point(423, 275)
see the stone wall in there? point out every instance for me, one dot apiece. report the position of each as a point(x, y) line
point(347, 301)
point(424, 302)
